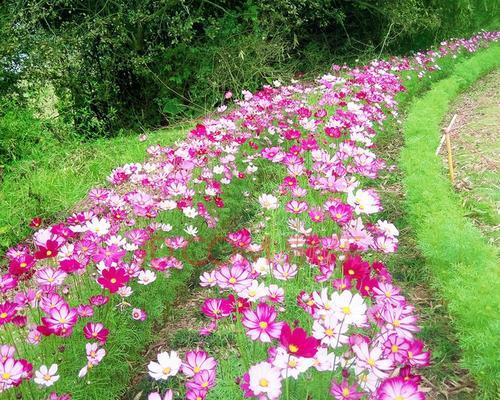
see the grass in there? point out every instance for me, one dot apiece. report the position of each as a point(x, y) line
point(50, 182)
point(475, 149)
point(463, 264)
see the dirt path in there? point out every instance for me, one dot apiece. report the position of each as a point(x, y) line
point(476, 150)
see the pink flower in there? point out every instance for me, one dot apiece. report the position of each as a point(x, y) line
point(416, 356)
point(261, 324)
point(197, 361)
point(296, 207)
point(7, 312)
point(343, 391)
point(96, 331)
point(138, 314)
point(297, 343)
point(216, 308)
point(61, 320)
point(240, 239)
point(395, 348)
point(235, 277)
point(397, 389)
point(11, 372)
point(371, 359)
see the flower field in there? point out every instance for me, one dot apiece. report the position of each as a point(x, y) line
point(271, 205)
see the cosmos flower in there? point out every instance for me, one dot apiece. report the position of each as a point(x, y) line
point(168, 365)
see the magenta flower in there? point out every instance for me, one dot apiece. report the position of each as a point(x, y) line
point(261, 324)
point(96, 331)
point(7, 312)
point(113, 279)
point(297, 343)
point(216, 308)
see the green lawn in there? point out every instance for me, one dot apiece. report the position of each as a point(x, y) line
point(53, 180)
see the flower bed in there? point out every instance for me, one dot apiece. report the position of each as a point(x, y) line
point(311, 308)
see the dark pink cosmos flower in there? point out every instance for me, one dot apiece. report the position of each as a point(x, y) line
point(96, 331)
point(113, 279)
point(297, 343)
point(36, 223)
point(240, 239)
point(341, 213)
point(397, 389)
point(50, 249)
point(216, 308)
point(7, 312)
point(22, 264)
point(415, 355)
point(98, 300)
point(356, 268)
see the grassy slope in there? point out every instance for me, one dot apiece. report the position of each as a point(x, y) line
point(464, 266)
point(52, 181)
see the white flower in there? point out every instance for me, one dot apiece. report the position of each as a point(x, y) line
point(191, 230)
point(146, 277)
point(330, 331)
point(167, 205)
point(125, 291)
point(46, 376)
point(99, 226)
point(268, 201)
point(363, 202)
point(265, 380)
point(254, 292)
point(291, 366)
point(190, 212)
point(349, 308)
point(261, 266)
point(387, 228)
point(168, 365)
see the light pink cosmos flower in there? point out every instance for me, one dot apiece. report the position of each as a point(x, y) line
point(169, 395)
point(11, 372)
point(197, 361)
point(261, 324)
point(284, 271)
point(235, 277)
point(50, 278)
point(371, 359)
point(94, 353)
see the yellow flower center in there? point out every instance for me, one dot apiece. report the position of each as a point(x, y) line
point(232, 280)
point(113, 280)
point(49, 252)
point(166, 370)
point(346, 310)
point(3, 315)
point(292, 363)
point(23, 265)
point(396, 323)
point(5, 376)
point(264, 382)
point(371, 362)
point(329, 332)
point(410, 354)
point(47, 377)
point(263, 324)
point(394, 348)
point(196, 369)
point(293, 348)
point(345, 392)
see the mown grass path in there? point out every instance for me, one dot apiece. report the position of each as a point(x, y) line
point(464, 266)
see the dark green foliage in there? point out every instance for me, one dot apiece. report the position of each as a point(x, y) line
point(123, 63)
